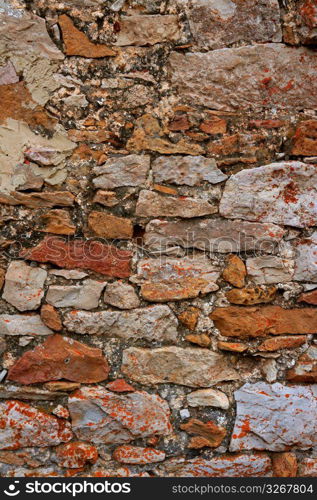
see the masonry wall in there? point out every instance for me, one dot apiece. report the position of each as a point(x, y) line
point(158, 238)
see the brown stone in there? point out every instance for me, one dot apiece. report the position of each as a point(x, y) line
point(106, 198)
point(119, 385)
point(305, 139)
point(39, 200)
point(189, 318)
point(77, 43)
point(179, 123)
point(51, 317)
point(76, 454)
point(60, 357)
point(235, 321)
point(232, 346)
point(284, 464)
point(104, 259)
point(215, 125)
point(2, 275)
point(62, 386)
point(235, 271)
point(308, 467)
point(251, 296)
point(208, 434)
point(95, 136)
point(202, 340)
point(308, 298)
point(135, 455)
point(305, 369)
point(109, 226)
point(277, 343)
point(142, 29)
point(57, 222)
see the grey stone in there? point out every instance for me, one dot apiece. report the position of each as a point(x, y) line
point(116, 172)
point(147, 30)
point(305, 260)
point(275, 417)
point(24, 286)
point(83, 296)
point(23, 324)
point(71, 274)
point(121, 295)
point(270, 269)
point(188, 170)
point(282, 193)
point(208, 397)
point(176, 365)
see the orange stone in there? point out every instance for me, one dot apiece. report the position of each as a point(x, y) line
point(2, 275)
point(309, 298)
point(51, 317)
point(120, 385)
point(277, 343)
point(208, 434)
point(109, 226)
point(305, 139)
point(232, 346)
point(215, 125)
point(189, 318)
point(76, 454)
point(165, 189)
point(235, 271)
point(284, 464)
point(77, 44)
point(39, 200)
point(203, 340)
point(179, 123)
point(135, 455)
point(251, 296)
point(57, 222)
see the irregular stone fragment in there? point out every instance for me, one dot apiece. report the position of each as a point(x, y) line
point(24, 286)
point(208, 434)
point(122, 171)
point(277, 343)
point(251, 296)
point(305, 261)
point(147, 30)
point(60, 357)
point(165, 279)
point(274, 417)
point(149, 323)
point(152, 204)
point(8, 74)
point(189, 318)
point(68, 275)
point(103, 259)
point(202, 340)
point(214, 125)
point(77, 43)
point(305, 139)
point(100, 416)
point(268, 269)
point(23, 324)
point(188, 170)
point(284, 464)
point(309, 298)
point(135, 455)
point(305, 369)
point(119, 385)
point(235, 271)
point(283, 193)
point(235, 321)
point(51, 318)
point(2, 275)
point(39, 200)
point(109, 226)
point(62, 386)
point(208, 397)
point(269, 369)
point(121, 295)
point(232, 346)
point(57, 222)
point(106, 198)
point(217, 24)
point(235, 465)
point(213, 235)
point(191, 366)
point(24, 425)
point(210, 79)
point(76, 454)
point(61, 411)
point(84, 296)
point(308, 467)
point(10, 391)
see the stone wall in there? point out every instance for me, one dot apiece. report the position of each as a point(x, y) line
point(158, 237)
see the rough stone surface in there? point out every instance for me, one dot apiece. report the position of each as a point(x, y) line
point(251, 296)
point(309, 298)
point(305, 261)
point(305, 369)
point(274, 344)
point(109, 226)
point(188, 170)
point(261, 321)
point(270, 269)
point(122, 295)
point(282, 193)
point(135, 455)
point(208, 397)
point(151, 204)
point(150, 323)
point(284, 464)
point(264, 414)
point(23, 324)
point(305, 139)
point(83, 296)
point(129, 170)
point(51, 318)
point(100, 416)
point(192, 367)
point(235, 271)
point(60, 357)
point(308, 467)
point(57, 222)
point(76, 454)
point(206, 434)
point(147, 30)
point(24, 286)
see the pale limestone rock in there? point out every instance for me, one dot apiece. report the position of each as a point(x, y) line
point(208, 397)
point(275, 417)
point(84, 296)
point(24, 286)
point(149, 323)
point(213, 235)
point(234, 79)
point(152, 204)
point(305, 260)
point(147, 30)
point(176, 365)
point(188, 170)
point(270, 269)
point(71, 274)
point(121, 295)
point(100, 416)
point(23, 324)
point(116, 172)
point(282, 193)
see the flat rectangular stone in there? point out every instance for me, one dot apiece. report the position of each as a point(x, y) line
point(23, 324)
point(213, 235)
point(270, 269)
point(275, 417)
point(188, 170)
point(176, 365)
point(122, 171)
point(252, 77)
point(83, 296)
point(152, 204)
point(147, 30)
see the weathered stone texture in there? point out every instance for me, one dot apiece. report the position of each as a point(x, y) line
point(268, 269)
point(128, 170)
point(147, 30)
point(83, 296)
point(305, 369)
point(24, 286)
point(208, 397)
point(305, 261)
point(188, 170)
point(23, 324)
point(121, 295)
point(251, 296)
point(135, 455)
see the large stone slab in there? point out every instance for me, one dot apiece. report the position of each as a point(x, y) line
point(23, 425)
point(122, 171)
point(24, 286)
point(235, 321)
point(275, 417)
point(215, 24)
point(100, 416)
point(252, 77)
point(149, 323)
point(23, 324)
point(305, 260)
point(270, 269)
point(188, 170)
point(83, 296)
point(176, 365)
point(282, 193)
point(213, 235)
